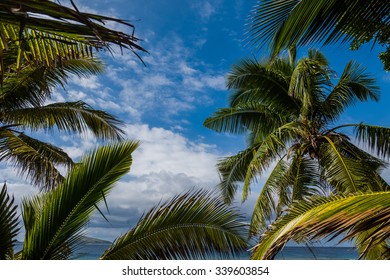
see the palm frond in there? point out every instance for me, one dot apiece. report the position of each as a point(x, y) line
point(376, 137)
point(282, 24)
point(8, 225)
point(379, 251)
point(32, 85)
point(353, 85)
point(69, 117)
point(259, 82)
point(328, 217)
point(309, 82)
point(34, 159)
point(60, 215)
point(346, 174)
point(244, 118)
point(232, 171)
point(290, 180)
point(304, 177)
point(189, 226)
point(273, 146)
point(47, 32)
point(266, 201)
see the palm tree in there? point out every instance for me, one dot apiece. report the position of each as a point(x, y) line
point(364, 217)
point(281, 24)
point(23, 106)
point(193, 225)
point(47, 33)
point(290, 112)
point(41, 44)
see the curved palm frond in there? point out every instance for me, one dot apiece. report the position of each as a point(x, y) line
point(346, 174)
point(273, 146)
point(289, 181)
point(33, 85)
point(35, 159)
point(377, 138)
point(308, 81)
point(46, 32)
point(68, 116)
point(232, 171)
point(304, 177)
point(353, 85)
point(190, 226)
point(266, 201)
point(244, 118)
point(265, 83)
point(328, 217)
point(58, 217)
point(299, 22)
point(8, 225)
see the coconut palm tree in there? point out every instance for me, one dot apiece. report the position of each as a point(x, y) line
point(24, 105)
point(47, 33)
point(362, 217)
point(281, 24)
point(192, 225)
point(290, 111)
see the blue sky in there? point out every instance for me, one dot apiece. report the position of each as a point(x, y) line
point(191, 45)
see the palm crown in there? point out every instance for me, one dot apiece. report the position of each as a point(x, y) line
point(288, 109)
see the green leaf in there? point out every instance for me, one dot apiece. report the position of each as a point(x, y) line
point(8, 225)
point(194, 225)
point(328, 217)
point(60, 215)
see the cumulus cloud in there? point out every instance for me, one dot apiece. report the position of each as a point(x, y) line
point(165, 164)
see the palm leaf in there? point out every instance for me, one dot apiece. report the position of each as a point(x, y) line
point(329, 217)
point(243, 118)
point(266, 201)
point(232, 171)
point(8, 225)
point(32, 85)
point(60, 215)
point(47, 33)
point(375, 137)
point(69, 117)
point(289, 181)
point(190, 226)
point(270, 148)
point(299, 22)
point(353, 85)
point(265, 83)
point(35, 159)
point(346, 174)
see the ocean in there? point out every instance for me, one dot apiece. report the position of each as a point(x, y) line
point(94, 251)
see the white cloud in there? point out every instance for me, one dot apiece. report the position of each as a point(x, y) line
point(172, 82)
point(204, 9)
point(92, 82)
point(165, 164)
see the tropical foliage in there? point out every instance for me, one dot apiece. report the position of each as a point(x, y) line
point(281, 24)
point(24, 106)
point(48, 33)
point(329, 217)
point(192, 225)
point(289, 110)
point(42, 44)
